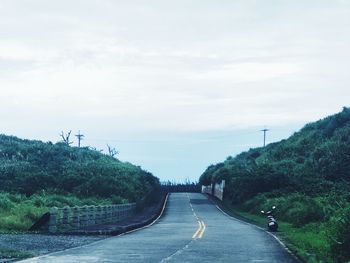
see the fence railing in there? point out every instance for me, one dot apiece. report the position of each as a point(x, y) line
point(69, 218)
point(180, 188)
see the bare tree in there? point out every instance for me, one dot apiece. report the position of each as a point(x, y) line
point(65, 137)
point(112, 151)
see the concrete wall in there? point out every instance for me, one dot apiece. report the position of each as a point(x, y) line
point(216, 190)
point(68, 218)
point(219, 190)
point(207, 189)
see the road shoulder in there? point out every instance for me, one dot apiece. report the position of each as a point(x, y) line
point(231, 213)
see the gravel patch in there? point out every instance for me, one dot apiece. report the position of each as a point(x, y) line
point(39, 244)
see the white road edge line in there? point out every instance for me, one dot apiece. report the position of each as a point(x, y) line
point(263, 229)
point(150, 224)
point(73, 248)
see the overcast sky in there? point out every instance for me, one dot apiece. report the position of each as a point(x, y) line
point(173, 85)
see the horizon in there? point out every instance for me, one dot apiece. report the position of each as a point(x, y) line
point(173, 86)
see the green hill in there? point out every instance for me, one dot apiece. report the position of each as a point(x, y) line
point(307, 176)
point(35, 176)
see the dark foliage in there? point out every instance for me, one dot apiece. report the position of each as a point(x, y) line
point(307, 175)
point(30, 167)
point(312, 161)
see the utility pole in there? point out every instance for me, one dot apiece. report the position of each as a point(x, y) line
point(80, 138)
point(264, 130)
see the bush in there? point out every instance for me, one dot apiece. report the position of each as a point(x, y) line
point(307, 177)
point(302, 213)
point(32, 167)
point(295, 208)
point(339, 234)
point(5, 202)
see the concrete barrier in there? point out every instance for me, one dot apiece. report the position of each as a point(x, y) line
point(216, 190)
point(69, 218)
point(207, 189)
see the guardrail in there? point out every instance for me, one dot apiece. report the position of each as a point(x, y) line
point(68, 218)
point(181, 188)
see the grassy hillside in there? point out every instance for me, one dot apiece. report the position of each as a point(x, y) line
point(307, 176)
point(35, 176)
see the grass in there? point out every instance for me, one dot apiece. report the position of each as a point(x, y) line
point(11, 254)
point(309, 243)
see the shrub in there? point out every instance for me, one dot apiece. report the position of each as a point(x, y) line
point(295, 208)
point(339, 234)
point(5, 202)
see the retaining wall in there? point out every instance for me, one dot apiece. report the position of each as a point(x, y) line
point(216, 190)
point(68, 218)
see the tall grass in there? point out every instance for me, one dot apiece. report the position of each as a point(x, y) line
point(316, 228)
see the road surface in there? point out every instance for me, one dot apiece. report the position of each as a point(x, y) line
point(191, 229)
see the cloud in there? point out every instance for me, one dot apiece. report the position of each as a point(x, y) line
point(134, 71)
point(182, 66)
point(249, 72)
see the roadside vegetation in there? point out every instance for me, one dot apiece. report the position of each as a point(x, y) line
point(35, 176)
point(14, 254)
point(307, 177)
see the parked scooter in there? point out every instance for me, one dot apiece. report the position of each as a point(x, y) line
point(272, 224)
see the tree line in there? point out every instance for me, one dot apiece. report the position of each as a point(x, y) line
point(29, 167)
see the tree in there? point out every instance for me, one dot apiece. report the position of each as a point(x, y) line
point(112, 151)
point(65, 138)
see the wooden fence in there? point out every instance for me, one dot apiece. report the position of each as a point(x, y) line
point(68, 218)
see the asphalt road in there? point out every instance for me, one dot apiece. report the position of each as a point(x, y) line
point(191, 229)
